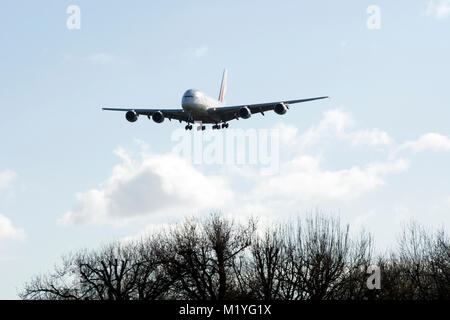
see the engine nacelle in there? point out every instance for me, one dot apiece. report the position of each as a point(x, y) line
point(245, 113)
point(158, 117)
point(131, 116)
point(281, 108)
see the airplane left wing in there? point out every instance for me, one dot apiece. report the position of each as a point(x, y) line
point(232, 112)
point(177, 114)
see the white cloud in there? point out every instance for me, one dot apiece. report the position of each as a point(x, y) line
point(439, 9)
point(148, 185)
point(201, 51)
point(8, 231)
point(6, 177)
point(288, 133)
point(302, 180)
point(337, 124)
point(428, 141)
point(373, 137)
point(332, 124)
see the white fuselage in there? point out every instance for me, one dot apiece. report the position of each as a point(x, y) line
point(197, 104)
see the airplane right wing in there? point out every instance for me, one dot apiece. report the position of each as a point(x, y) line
point(232, 112)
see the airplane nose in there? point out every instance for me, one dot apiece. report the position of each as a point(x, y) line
point(191, 93)
point(189, 98)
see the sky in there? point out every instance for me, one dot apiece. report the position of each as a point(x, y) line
point(73, 176)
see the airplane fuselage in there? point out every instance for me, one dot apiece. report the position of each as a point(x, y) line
point(197, 104)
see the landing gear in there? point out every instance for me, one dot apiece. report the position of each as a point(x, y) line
point(203, 127)
point(218, 126)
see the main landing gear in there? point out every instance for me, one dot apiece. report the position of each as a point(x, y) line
point(218, 126)
point(189, 127)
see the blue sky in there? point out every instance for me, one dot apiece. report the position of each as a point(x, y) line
point(380, 147)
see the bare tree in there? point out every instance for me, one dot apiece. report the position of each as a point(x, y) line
point(263, 267)
point(200, 257)
point(353, 280)
point(62, 284)
point(216, 258)
point(317, 251)
point(153, 281)
point(441, 265)
point(425, 262)
point(314, 259)
point(116, 272)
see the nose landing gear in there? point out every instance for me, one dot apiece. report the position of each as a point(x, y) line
point(188, 127)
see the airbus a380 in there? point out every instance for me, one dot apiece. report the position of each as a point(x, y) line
point(198, 107)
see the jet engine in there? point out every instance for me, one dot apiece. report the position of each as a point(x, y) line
point(158, 117)
point(245, 113)
point(131, 116)
point(281, 108)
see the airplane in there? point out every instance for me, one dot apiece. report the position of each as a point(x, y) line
point(198, 107)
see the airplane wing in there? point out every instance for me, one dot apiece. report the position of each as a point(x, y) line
point(231, 112)
point(178, 114)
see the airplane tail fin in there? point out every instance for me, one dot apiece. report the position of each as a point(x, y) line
point(223, 86)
